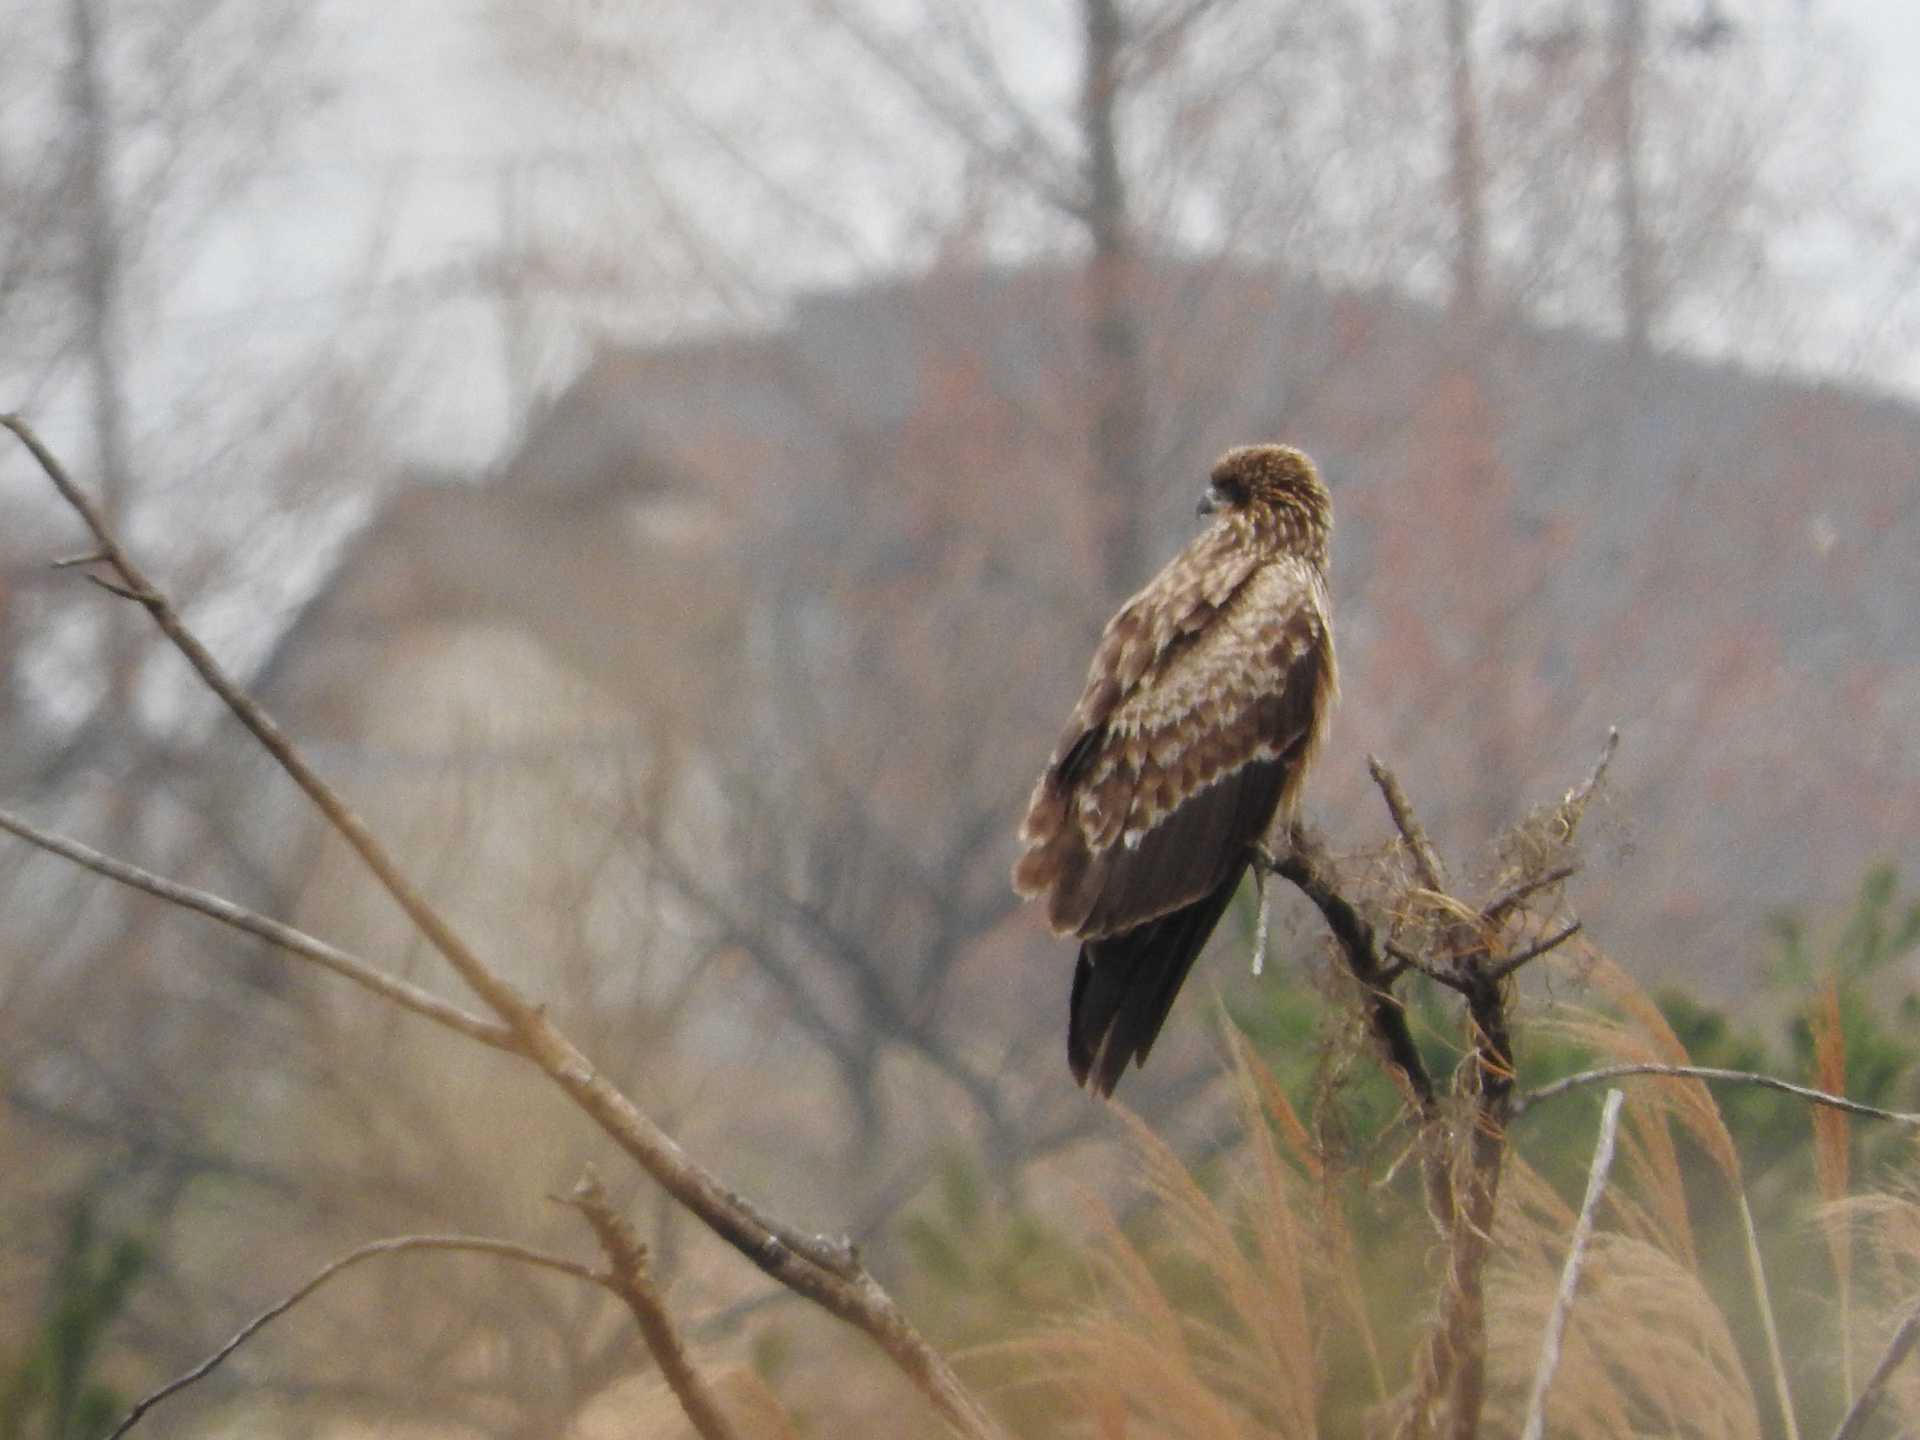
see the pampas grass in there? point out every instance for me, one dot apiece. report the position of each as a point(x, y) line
point(1227, 1313)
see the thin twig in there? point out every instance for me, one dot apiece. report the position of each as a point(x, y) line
point(124, 592)
point(472, 1244)
point(1404, 959)
point(1497, 909)
point(404, 994)
point(1534, 951)
point(824, 1270)
point(1897, 1350)
point(1570, 1272)
point(1706, 1072)
point(632, 1283)
point(1426, 862)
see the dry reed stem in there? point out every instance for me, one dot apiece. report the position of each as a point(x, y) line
point(1763, 1299)
point(1268, 1299)
point(1897, 1350)
point(1646, 1351)
point(1259, 1083)
point(1536, 1421)
point(1694, 1106)
point(1831, 1154)
point(1133, 1359)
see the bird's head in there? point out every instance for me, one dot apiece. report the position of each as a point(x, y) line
point(1275, 491)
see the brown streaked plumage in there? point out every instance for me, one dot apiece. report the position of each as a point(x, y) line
point(1204, 706)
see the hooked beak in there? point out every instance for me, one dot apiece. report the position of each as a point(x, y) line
point(1209, 502)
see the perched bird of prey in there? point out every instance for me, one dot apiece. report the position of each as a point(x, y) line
point(1204, 705)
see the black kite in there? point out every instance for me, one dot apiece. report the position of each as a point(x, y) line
point(1203, 708)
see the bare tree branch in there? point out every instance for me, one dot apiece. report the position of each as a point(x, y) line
point(1304, 865)
point(1426, 863)
point(404, 994)
point(632, 1283)
point(1498, 908)
point(1570, 1272)
point(1031, 160)
point(1574, 805)
point(1513, 962)
point(1605, 1073)
point(826, 1271)
point(398, 1245)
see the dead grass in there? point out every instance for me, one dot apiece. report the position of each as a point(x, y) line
point(1221, 1319)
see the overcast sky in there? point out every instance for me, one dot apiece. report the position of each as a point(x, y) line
point(422, 96)
point(411, 146)
point(1889, 31)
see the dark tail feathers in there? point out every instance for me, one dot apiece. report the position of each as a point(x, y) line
point(1125, 984)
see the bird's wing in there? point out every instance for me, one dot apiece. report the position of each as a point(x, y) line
point(1203, 705)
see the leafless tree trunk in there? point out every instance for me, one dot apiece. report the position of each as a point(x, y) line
point(1120, 395)
point(1467, 170)
point(99, 294)
point(1629, 48)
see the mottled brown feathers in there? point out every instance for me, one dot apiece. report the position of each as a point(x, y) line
point(1203, 707)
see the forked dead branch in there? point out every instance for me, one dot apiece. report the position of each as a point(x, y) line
point(1465, 948)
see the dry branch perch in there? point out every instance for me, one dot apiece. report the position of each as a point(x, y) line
point(1465, 957)
point(825, 1271)
point(1450, 1375)
point(1305, 866)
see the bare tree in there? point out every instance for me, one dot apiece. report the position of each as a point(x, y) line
point(137, 126)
